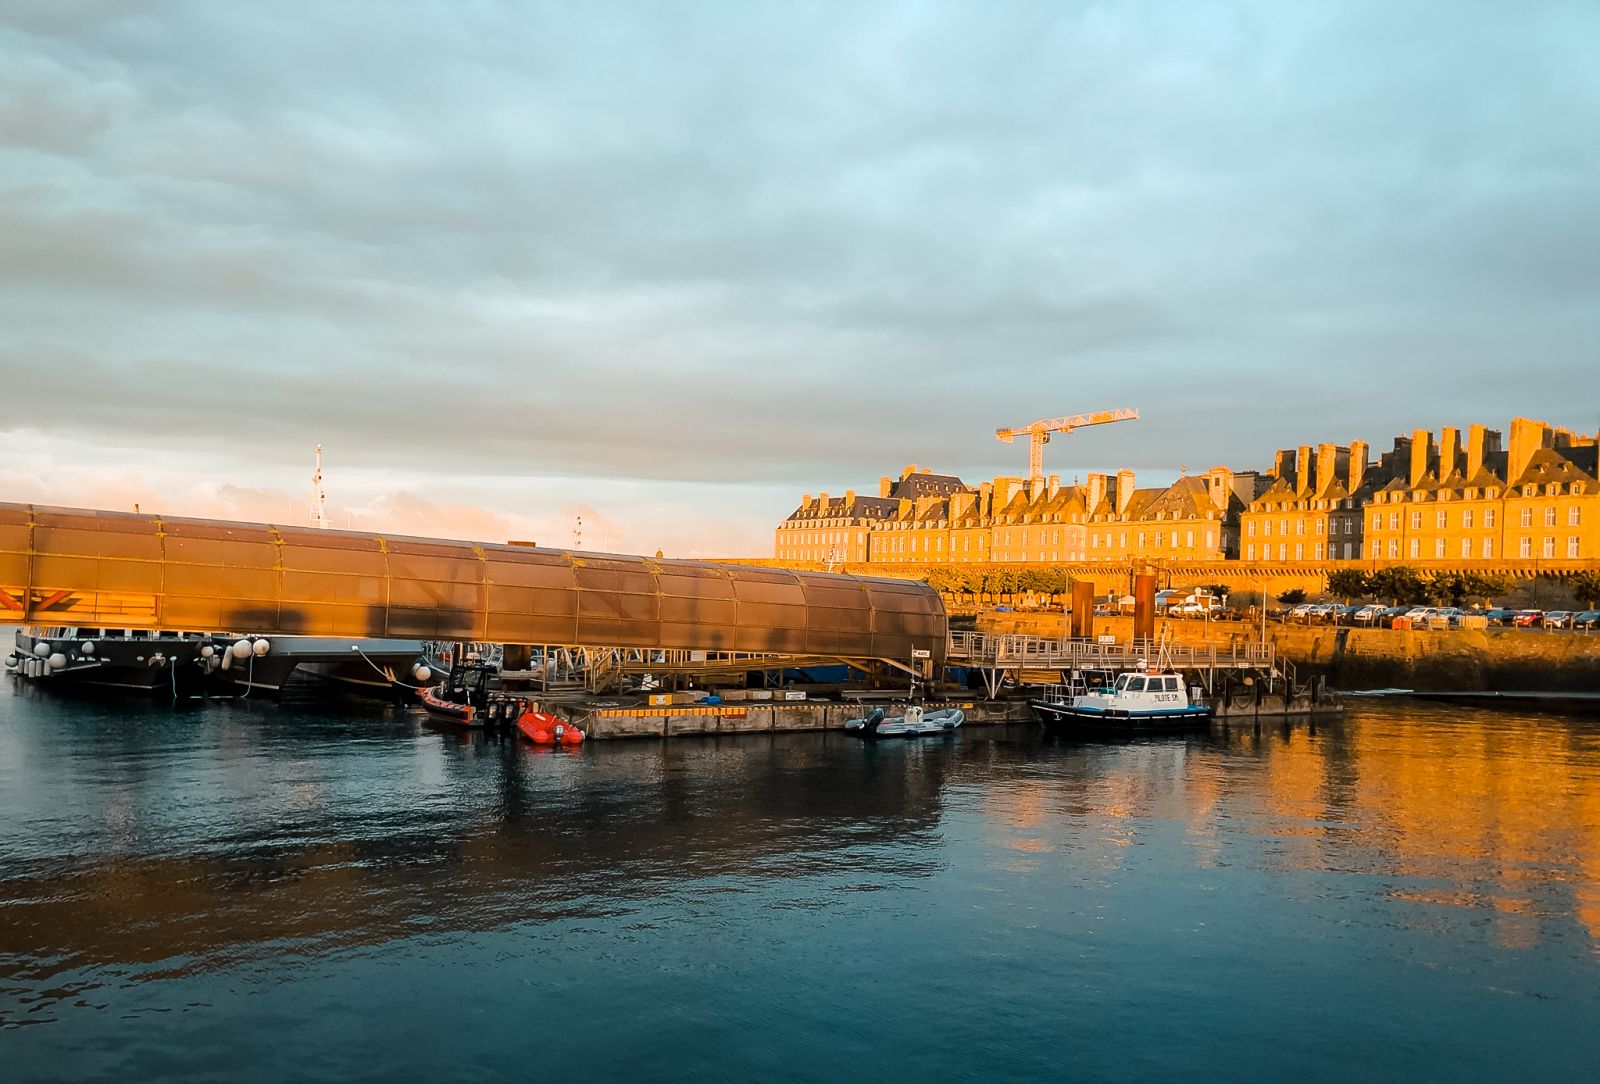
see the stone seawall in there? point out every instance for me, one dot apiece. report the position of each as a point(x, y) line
point(1355, 658)
point(647, 722)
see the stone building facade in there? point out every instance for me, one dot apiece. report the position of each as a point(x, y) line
point(1432, 501)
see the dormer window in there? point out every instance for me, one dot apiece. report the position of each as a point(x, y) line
point(1528, 491)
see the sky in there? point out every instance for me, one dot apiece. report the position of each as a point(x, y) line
point(665, 267)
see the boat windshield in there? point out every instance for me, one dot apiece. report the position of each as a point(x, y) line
point(1136, 685)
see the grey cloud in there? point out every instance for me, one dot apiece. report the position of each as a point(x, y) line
point(799, 243)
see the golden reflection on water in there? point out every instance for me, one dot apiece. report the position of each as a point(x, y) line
point(1487, 812)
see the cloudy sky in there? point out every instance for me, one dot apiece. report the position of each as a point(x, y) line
point(669, 265)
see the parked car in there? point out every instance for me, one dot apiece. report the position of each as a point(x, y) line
point(1500, 616)
point(1559, 619)
point(1386, 616)
point(1528, 619)
point(1367, 615)
point(1588, 619)
point(1299, 612)
point(1452, 614)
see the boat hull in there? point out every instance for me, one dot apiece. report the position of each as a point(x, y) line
point(1067, 718)
point(543, 729)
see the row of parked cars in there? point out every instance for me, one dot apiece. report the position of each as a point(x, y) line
point(1421, 617)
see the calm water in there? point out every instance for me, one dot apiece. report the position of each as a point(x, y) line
point(248, 890)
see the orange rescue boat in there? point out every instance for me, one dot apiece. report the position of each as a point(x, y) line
point(544, 729)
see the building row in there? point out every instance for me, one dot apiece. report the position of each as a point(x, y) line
point(1446, 497)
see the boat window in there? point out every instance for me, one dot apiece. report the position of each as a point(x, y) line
point(1122, 682)
point(1136, 685)
point(1172, 684)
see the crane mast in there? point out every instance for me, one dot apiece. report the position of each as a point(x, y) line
point(1038, 434)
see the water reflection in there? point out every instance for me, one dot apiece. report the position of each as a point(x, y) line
point(147, 848)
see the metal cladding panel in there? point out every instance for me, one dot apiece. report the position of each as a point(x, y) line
point(126, 570)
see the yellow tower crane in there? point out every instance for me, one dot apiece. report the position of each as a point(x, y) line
point(1038, 434)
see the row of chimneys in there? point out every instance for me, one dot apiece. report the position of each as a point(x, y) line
point(1413, 458)
point(1418, 455)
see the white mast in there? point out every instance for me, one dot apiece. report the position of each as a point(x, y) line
point(319, 499)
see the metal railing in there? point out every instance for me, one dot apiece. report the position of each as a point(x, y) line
point(1019, 651)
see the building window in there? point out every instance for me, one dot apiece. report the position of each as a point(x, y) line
point(1416, 548)
point(1374, 549)
point(1159, 535)
point(1141, 539)
point(1416, 519)
point(1394, 521)
point(1466, 547)
point(1250, 528)
point(1550, 516)
point(1488, 517)
point(1438, 547)
point(1299, 551)
point(1266, 527)
point(1188, 539)
point(1250, 552)
point(1300, 526)
point(1527, 517)
point(1572, 546)
point(1322, 526)
point(1466, 520)
point(1283, 527)
point(1488, 548)
point(1574, 516)
point(1319, 551)
point(1394, 548)
point(1549, 546)
point(1211, 538)
point(1527, 547)
point(1283, 551)
point(1443, 518)
point(1377, 521)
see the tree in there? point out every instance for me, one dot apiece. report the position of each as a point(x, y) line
point(1487, 586)
point(1292, 597)
point(1446, 588)
point(1585, 587)
point(1398, 583)
point(1348, 583)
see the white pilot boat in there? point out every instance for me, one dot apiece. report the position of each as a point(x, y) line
point(1143, 699)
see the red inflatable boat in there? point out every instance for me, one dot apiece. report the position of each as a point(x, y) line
point(543, 729)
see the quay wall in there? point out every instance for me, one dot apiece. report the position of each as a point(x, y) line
point(647, 722)
point(1460, 660)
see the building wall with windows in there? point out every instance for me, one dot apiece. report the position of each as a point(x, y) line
point(1433, 499)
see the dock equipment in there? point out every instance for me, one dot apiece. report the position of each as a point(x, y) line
point(81, 567)
point(1038, 434)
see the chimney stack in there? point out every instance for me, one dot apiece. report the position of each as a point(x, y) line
point(885, 486)
point(1283, 466)
point(1053, 485)
point(985, 500)
point(1302, 472)
point(849, 497)
point(1124, 490)
point(805, 502)
point(1449, 452)
point(1421, 453)
point(1097, 491)
point(1327, 465)
point(1527, 437)
point(1483, 445)
point(1358, 465)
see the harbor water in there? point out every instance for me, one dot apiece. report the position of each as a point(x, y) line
point(247, 890)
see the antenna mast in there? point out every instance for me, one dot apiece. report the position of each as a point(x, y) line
point(319, 499)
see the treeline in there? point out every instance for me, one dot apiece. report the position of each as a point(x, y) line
point(998, 581)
